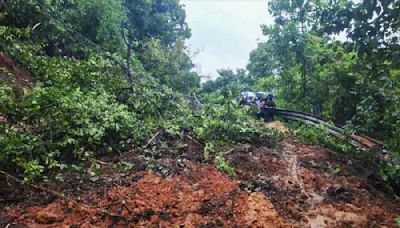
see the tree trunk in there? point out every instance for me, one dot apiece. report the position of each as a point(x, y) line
point(128, 63)
point(128, 41)
point(304, 76)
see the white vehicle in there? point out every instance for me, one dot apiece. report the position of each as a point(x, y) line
point(248, 95)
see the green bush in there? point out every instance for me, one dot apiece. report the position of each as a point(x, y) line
point(318, 135)
point(223, 120)
point(50, 124)
point(224, 166)
point(390, 173)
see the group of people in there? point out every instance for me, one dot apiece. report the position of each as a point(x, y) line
point(264, 103)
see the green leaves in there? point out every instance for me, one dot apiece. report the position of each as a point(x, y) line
point(347, 81)
point(224, 166)
point(147, 19)
point(221, 121)
point(320, 136)
point(80, 105)
point(32, 170)
point(57, 122)
point(390, 170)
point(228, 80)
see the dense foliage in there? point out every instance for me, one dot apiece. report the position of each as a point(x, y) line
point(353, 82)
point(104, 85)
point(81, 104)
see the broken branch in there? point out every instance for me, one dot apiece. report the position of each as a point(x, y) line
point(152, 139)
point(38, 187)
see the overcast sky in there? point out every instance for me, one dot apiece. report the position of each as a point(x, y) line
point(224, 32)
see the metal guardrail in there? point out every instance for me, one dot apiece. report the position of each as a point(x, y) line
point(362, 142)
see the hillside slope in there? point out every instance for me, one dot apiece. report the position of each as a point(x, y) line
point(290, 185)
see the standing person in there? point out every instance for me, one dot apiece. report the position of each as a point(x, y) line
point(258, 103)
point(270, 107)
point(261, 108)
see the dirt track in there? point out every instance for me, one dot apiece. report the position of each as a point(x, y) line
point(292, 185)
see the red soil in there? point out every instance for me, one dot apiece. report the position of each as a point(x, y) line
point(292, 185)
point(202, 196)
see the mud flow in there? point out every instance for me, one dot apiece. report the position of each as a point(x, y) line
point(290, 185)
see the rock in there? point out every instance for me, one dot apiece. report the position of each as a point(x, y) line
point(338, 193)
point(51, 214)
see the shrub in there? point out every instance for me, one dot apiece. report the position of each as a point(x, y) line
point(318, 135)
point(223, 120)
point(50, 124)
point(224, 166)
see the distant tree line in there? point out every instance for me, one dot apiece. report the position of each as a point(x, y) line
point(355, 82)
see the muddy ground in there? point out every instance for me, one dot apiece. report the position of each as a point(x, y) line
point(287, 185)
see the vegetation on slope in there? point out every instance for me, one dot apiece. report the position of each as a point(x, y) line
point(103, 85)
point(98, 90)
point(110, 83)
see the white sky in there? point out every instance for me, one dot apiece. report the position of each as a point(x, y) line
point(224, 32)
